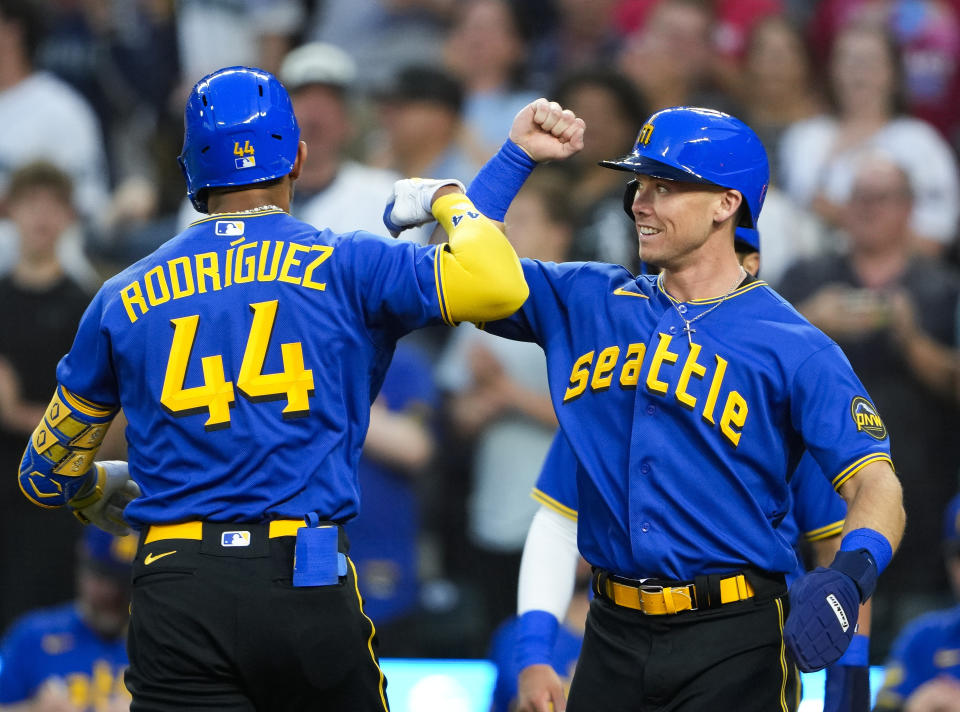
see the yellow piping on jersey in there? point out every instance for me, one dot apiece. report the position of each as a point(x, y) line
point(236, 216)
point(548, 501)
point(94, 410)
point(858, 465)
point(713, 300)
point(824, 532)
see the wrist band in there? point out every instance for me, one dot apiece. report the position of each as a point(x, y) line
point(499, 181)
point(536, 637)
point(871, 540)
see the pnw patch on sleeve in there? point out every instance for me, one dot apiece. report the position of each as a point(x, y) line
point(867, 419)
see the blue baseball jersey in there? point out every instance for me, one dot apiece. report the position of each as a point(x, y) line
point(928, 648)
point(566, 652)
point(685, 447)
point(55, 644)
point(245, 353)
point(816, 511)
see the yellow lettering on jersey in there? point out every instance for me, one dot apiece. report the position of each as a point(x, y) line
point(157, 275)
point(216, 393)
point(733, 418)
point(245, 267)
point(325, 252)
point(186, 288)
point(290, 261)
point(228, 269)
point(714, 391)
point(579, 376)
point(295, 381)
point(131, 295)
point(275, 265)
point(690, 368)
point(207, 266)
point(660, 356)
point(603, 371)
point(630, 373)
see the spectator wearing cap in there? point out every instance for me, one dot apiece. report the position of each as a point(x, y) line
point(923, 672)
point(333, 192)
point(71, 658)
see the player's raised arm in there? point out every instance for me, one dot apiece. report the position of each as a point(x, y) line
point(478, 270)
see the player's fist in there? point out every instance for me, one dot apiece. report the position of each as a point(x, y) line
point(547, 131)
point(824, 605)
point(103, 501)
point(411, 202)
point(540, 689)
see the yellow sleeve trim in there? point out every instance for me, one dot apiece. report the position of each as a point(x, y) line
point(94, 410)
point(858, 465)
point(824, 532)
point(438, 277)
point(553, 504)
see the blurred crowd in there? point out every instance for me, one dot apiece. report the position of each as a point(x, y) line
point(857, 102)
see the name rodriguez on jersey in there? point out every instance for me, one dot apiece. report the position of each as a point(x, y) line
point(598, 372)
point(261, 261)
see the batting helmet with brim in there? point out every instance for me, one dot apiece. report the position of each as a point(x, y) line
point(239, 129)
point(696, 145)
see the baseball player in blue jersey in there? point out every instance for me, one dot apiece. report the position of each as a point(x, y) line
point(923, 672)
point(72, 657)
point(688, 398)
point(245, 353)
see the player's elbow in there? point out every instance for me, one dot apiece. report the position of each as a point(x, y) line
point(505, 300)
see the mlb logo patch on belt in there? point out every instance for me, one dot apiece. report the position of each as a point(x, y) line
point(236, 538)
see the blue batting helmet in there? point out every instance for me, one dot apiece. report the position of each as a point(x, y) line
point(239, 129)
point(748, 236)
point(696, 145)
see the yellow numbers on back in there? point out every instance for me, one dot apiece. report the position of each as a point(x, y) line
point(295, 383)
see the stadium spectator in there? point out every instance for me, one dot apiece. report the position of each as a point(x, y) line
point(42, 306)
point(819, 155)
point(664, 74)
point(893, 312)
point(71, 658)
point(383, 36)
point(609, 104)
point(486, 51)
point(583, 34)
point(777, 84)
point(927, 33)
point(923, 672)
point(43, 118)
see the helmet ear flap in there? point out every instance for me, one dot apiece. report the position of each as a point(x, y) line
point(628, 195)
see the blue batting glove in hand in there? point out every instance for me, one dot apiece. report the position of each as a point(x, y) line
point(824, 605)
point(410, 203)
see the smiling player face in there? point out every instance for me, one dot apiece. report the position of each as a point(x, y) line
point(676, 220)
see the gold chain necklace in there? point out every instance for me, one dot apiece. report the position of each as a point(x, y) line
point(687, 328)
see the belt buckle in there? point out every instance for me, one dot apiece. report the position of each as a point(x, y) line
point(688, 590)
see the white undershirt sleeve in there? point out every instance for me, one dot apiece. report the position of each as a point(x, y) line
point(549, 564)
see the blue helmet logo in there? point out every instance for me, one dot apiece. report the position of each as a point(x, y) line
point(701, 146)
point(239, 129)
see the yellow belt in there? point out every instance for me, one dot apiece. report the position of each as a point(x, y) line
point(194, 530)
point(659, 600)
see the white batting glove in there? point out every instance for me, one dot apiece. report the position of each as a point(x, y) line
point(102, 502)
point(409, 204)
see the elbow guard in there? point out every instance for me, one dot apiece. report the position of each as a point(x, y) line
point(480, 276)
point(62, 448)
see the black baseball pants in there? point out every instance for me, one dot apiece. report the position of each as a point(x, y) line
point(726, 658)
point(229, 632)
